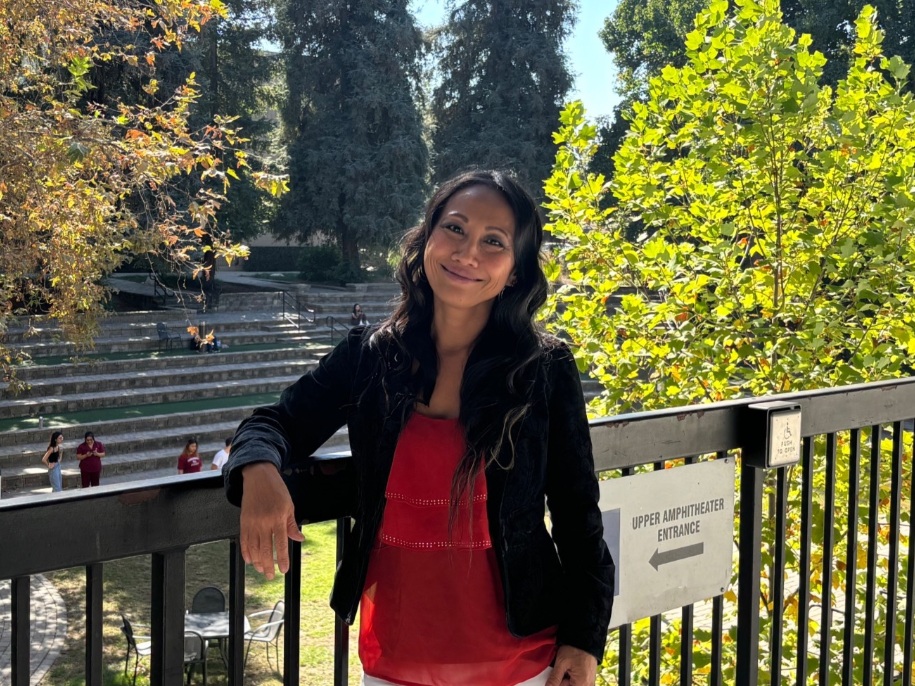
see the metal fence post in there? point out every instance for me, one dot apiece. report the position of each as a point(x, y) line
point(749, 569)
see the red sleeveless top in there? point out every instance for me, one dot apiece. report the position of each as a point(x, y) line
point(432, 611)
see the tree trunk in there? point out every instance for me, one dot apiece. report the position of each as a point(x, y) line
point(349, 246)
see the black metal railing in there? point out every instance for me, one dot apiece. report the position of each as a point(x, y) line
point(333, 323)
point(836, 526)
point(295, 310)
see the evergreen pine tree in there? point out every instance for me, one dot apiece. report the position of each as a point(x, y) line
point(357, 157)
point(503, 81)
point(235, 77)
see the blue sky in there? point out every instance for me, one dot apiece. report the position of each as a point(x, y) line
point(591, 64)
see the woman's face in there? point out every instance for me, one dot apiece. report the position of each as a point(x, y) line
point(60, 440)
point(469, 256)
point(191, 448)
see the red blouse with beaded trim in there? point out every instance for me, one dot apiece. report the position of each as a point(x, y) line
point(432, 611)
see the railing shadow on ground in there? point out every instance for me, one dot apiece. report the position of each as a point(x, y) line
point(161, 518)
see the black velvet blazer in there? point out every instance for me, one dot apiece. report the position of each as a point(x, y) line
point(564, 579)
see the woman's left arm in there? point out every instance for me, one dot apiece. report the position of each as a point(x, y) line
point(577, 528)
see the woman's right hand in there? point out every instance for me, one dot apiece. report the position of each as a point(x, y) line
point(267, 518)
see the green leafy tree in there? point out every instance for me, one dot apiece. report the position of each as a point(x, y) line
point(503, 81)
point(775, 242)
point(645, 36)
point(357, 157)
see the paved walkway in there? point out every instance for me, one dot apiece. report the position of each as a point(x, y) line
point(49, 629)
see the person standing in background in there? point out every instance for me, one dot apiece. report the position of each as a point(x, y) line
point(220, 458)
point(51, 460)
point(189, 462)
point(90, 453)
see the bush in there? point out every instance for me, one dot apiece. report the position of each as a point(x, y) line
point(274, 259)
point(320, 263)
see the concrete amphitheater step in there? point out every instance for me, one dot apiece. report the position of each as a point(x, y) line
point(145, 396)
point(150, 342)
point(217, 371)
point(30, 441)
point(298, 351)
point(17, 481)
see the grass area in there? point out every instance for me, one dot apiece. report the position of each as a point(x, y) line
point(68, 419)
point(127, 591)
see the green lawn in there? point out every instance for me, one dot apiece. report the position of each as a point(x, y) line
point(127, 591)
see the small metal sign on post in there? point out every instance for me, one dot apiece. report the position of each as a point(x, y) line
point(671, 534)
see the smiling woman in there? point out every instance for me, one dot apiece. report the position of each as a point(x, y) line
point(463, 419)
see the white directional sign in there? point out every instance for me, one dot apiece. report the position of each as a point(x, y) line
point(671, 533)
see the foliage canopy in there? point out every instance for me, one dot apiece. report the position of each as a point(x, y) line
point(357, 156)
point(89, 182)
point(503, 81)
point(775, 217)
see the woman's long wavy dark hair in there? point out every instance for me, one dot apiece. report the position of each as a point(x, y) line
point(54, 437)
point(502, 367)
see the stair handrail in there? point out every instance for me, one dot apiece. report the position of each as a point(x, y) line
point(297, 307)
point(333, 322)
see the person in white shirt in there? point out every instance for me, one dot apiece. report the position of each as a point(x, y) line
point(219, 459)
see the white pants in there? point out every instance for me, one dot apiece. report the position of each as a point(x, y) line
point(538, 680)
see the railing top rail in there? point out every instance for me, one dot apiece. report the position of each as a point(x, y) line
point(121, 520)
point(639, 438)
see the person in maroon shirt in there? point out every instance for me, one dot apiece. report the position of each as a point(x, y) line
point(90, 453)
point(189, 461)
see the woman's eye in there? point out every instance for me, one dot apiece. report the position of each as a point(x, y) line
point(453, 228)
point(495, 242)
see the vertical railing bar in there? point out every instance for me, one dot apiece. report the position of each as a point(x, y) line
point(624, 677)
point(624, 672)
point(686, 645)
point(908, 657)
point(94, 619)
point(166, 661)
point(341, 628)
point(749, 569)
point(892, 580)
point(717, 622)
point(717, 638)
point(778, 574)
point(803, 591)
point(870, 592)
point(654, 651)
point(21, 639)
point(654, 635)
point(292, 620)
point(686, 628)
point(851, 558)
point(236, 642)
point(828, 537)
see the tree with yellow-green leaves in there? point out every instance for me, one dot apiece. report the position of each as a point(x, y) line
point(85, 186)
point(761, 242)
point(774, 221)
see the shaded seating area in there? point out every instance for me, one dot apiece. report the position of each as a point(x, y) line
point(268, 632)
point(195, 650)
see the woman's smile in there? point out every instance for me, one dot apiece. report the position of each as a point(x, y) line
point(458, 275)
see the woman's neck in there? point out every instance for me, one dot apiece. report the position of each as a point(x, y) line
point(454, 331)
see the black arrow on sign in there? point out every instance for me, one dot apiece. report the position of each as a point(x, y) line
point(660, 558)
